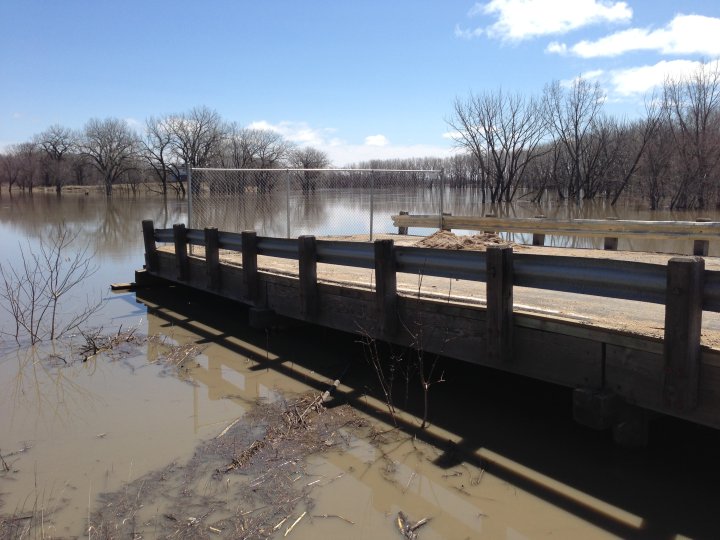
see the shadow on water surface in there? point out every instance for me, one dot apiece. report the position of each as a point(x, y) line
point(519, 430)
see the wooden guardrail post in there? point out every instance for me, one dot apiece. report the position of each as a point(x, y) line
point(538, 239)
point(401, 229)
point(250, 266)
point(499, 302)
point(701, 247)
point(683, 320)
point(181, 251)
point(307, 275)
point(443, 226)
point(386, 286)
point(490, 215)
point(212, 258)
point(610, 243)
point(151, 257)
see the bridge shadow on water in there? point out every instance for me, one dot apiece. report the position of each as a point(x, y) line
point(518, 429)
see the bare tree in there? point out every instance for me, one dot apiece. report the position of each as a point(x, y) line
point(572, 114)
point(631, 142)
point(692, 108)
point(10, 167)
point(34, 288)
point(111, 146)
point(158, 151)
point(503, 132)
point(28, 157)
point(308, 158)
point(57, 142)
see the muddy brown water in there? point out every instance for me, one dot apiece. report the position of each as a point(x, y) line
point(501, 458)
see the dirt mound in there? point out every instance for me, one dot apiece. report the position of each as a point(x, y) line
point(449, 240)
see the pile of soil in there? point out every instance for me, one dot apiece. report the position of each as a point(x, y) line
point(449, 240)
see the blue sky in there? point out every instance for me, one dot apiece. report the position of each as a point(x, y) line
point(358, 79)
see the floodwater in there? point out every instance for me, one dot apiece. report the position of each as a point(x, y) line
point(502, 457)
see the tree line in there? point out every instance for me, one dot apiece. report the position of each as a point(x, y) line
point(558, 144)
point(110, 152)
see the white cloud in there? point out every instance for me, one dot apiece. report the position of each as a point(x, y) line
point(354, 153)
point(468, 33)
point(16, 115)
point(556, 48)
point(638, 80)
point(524, 19)
point(685, 34)
point(299, 133)
point(341, 152)
point(134, 123)
point(376, 140)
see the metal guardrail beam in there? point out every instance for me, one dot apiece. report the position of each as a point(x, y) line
point(579, 275)
point(575, 227)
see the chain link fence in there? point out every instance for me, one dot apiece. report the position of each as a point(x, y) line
point(323, 202)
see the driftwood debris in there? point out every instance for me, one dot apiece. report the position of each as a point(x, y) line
point(407, 528)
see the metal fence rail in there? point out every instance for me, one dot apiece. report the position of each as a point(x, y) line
point(291, 202)
point(624, 280)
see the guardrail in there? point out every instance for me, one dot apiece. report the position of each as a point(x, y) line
point(700, 231)
point(683, 286)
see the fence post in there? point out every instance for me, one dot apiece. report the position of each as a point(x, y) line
point(151, 257)
point(249, 265)
point(307, 275)
point(441, 181)
point(683, 321)
point(701, 247)
point(372, 202)
point(499, 302)
point(212, 258)
point(181, 254)
point(287, 203)
point(403, 230)
point(386, 286)
point(190, 220)
point(188, 172)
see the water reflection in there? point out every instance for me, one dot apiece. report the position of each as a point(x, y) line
point(111, 227)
